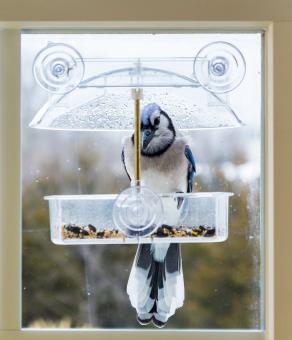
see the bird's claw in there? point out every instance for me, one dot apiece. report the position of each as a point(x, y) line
point(179, 200)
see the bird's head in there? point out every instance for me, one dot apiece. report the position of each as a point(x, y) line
point(157, 131)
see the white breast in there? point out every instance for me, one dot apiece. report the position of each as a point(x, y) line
point(165, 173)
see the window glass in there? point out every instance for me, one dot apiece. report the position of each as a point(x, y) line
point(84, 286)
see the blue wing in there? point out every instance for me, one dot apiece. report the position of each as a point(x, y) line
point(191, 167)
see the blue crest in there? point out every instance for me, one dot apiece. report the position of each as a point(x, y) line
point(147, 112)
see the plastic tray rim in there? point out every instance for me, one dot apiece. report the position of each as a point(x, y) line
point(114, 196)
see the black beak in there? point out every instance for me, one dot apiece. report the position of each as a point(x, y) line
point(147, 136)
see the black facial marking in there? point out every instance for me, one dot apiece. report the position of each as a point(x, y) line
point(156, 121)
point(170, 124)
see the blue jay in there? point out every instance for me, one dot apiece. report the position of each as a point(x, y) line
point(156, 285)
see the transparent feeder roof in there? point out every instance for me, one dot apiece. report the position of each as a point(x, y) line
point(98, 92)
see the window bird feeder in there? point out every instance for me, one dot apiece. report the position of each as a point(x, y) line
point(102, 95)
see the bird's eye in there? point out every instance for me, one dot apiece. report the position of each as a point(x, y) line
point(157, 121)
point(147, 132)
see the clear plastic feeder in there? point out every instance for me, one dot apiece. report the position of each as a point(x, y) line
point(186, 218)
point(94, 94)
point(191, 90)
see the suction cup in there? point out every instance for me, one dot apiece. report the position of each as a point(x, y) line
point(58, 68)
point(219, 67)
point(138, 211)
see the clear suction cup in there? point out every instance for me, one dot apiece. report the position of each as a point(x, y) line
point(219, 67)
point(138, 211)
point(58, 68)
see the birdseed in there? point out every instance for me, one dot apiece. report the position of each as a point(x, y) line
point(73, 231)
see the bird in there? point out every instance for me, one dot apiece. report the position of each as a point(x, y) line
point(156, 285)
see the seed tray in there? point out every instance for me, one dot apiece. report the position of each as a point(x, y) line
point(88, 219)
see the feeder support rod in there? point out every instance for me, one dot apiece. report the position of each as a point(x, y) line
point(137, 95)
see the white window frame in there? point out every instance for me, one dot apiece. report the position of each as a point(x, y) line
point(10, 199)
